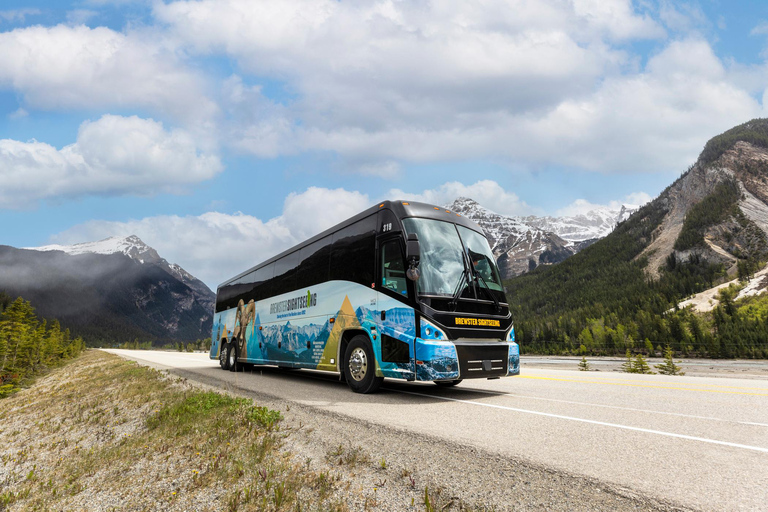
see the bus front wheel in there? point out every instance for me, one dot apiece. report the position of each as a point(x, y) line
point(360, 366)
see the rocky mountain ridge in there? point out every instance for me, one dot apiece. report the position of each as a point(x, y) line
point(523, 243)
point(113, 290)
point(133, 247)
point(738, 232)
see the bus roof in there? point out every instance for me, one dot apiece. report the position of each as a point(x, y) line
point(401, 209)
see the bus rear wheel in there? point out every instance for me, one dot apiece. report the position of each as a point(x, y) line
point(224, 355)
point(447, 383)
point(360, 366)
point(232, 355)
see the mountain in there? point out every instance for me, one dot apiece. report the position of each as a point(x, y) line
point(708, 226)
point(116, 289)
point(586, 227)
point(521, 244)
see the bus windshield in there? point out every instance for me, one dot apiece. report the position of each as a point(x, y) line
point(442, 262)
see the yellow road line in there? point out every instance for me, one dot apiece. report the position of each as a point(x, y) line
point(614, 383)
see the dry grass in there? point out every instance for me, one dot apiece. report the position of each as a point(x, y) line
point(103, 433)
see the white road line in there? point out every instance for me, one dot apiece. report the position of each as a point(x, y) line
point(501, 393)
point(593, 422)
point(750, 423)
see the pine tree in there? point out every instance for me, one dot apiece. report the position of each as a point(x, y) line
point(40, 344)
point(584, 364)
point(640, 365)
point(53, 343)
point(627, 366)
point(19, 318)
point(3, 345)
point(668, 367)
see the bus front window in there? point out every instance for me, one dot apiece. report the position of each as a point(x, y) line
point(481, 257)
point(441, 255)
point(442, 263)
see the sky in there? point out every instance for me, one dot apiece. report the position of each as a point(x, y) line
point(223, 132)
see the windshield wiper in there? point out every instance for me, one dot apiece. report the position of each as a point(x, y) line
point(459, 288)
point(485, 287)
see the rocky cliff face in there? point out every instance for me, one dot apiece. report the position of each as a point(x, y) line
point(523, 243)
point(732, 230)
point(116, 289)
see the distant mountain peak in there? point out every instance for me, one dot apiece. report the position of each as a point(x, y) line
point(521, 243)
point(131, 246)
point(134, 247)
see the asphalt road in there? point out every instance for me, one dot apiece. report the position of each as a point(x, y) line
point(696, 441)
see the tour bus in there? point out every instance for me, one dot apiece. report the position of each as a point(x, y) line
point(403, 290)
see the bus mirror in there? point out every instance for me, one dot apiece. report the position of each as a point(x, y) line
point(412, 256)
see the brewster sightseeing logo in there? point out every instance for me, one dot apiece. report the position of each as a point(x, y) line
point(294, 304)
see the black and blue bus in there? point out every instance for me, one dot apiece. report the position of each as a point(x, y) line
point(403, 290)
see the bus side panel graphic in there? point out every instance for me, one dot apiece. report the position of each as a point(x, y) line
point(306, 338)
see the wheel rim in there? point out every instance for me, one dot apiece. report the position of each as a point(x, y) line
point(223, 354)
point(358, 364)
point(232, 358)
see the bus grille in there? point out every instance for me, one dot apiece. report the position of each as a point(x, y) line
point(482, 360)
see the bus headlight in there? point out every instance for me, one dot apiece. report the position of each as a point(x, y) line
point(430, 332)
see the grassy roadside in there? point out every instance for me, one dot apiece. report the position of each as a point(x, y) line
point(104, 433)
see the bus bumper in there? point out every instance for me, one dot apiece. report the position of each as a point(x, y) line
point(451, 360)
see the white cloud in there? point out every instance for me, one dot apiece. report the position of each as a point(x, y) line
point(488, 193)
point(80, 16)
point(66, 67)
point(216, 246)
point(380, 68)
point(582, 206)
point(13, 15)
point(617, 19)
point(540, 82)
point(684, 17)
point(760, 29)
point(112, 156)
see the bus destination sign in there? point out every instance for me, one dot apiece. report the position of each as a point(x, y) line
point(477, 322)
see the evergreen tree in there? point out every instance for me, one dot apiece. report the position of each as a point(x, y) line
point(26, 348)
point(640, 365)
point(627, 366)
point(584, 364)
point(668, 367)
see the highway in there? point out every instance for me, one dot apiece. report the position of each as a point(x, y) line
point(698, 442)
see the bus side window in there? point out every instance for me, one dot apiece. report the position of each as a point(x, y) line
point(393, 268)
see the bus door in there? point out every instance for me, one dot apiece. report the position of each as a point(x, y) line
point(396, 316)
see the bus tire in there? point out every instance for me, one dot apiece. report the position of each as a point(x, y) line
point(447, 383)
point(224, 355)
point(232, 355)
point(360, 366)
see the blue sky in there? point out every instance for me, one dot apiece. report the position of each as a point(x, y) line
point(222, 132)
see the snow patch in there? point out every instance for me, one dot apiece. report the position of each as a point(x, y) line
point(129, 245)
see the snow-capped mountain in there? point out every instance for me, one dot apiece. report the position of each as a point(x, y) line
point(133, 247)
point(113, 290)
point(592, 225)
point(522, 243)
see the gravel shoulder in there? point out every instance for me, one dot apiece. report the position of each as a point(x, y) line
point(53, 429)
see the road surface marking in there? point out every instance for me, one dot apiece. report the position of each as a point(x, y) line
point(614, 383)
point(501, 393)
point(758, 424)
point(593, 422)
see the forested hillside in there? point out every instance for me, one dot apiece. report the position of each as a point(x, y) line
point(609, 298)
point(28, 346)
